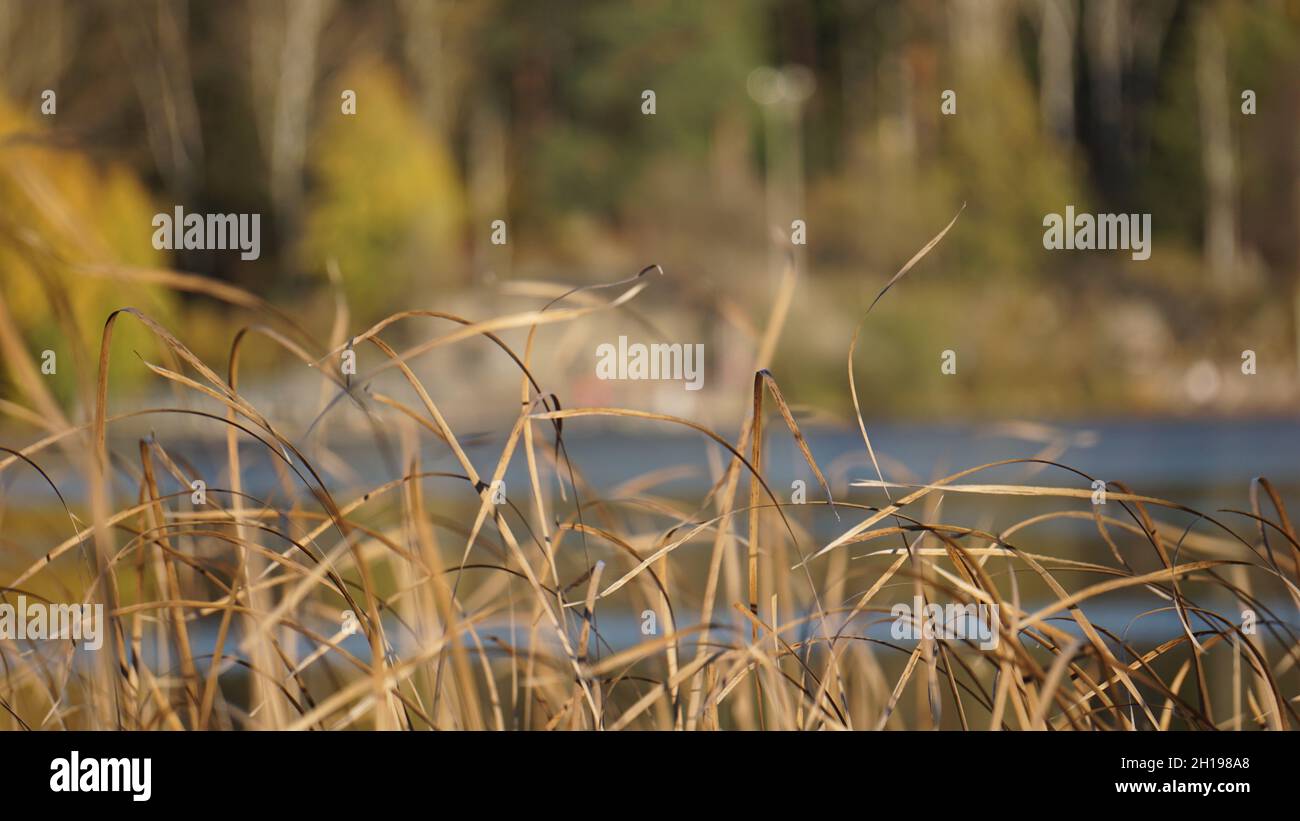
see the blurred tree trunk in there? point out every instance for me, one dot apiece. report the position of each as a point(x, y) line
point(1217, 156)
point(56, 26)
point(1105, 25)
point(285, 36)
point(979, 29)
point(1150, 26)
point(154, 41)
point(422, 44)
point(488, 189)
point(895, 123)
point(1057, 29)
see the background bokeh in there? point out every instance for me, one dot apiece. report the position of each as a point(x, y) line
point(766, 111)
point(1076, 371)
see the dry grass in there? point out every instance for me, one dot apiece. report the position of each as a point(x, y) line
point(479, 615)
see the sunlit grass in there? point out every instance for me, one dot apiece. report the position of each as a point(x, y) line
point(469, 613)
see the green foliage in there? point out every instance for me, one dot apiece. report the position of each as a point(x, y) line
point(694, 56)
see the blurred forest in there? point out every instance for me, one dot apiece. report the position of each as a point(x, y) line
point(766, 111)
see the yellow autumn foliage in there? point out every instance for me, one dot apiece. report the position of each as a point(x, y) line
point(60, 210)
point(387, 203)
